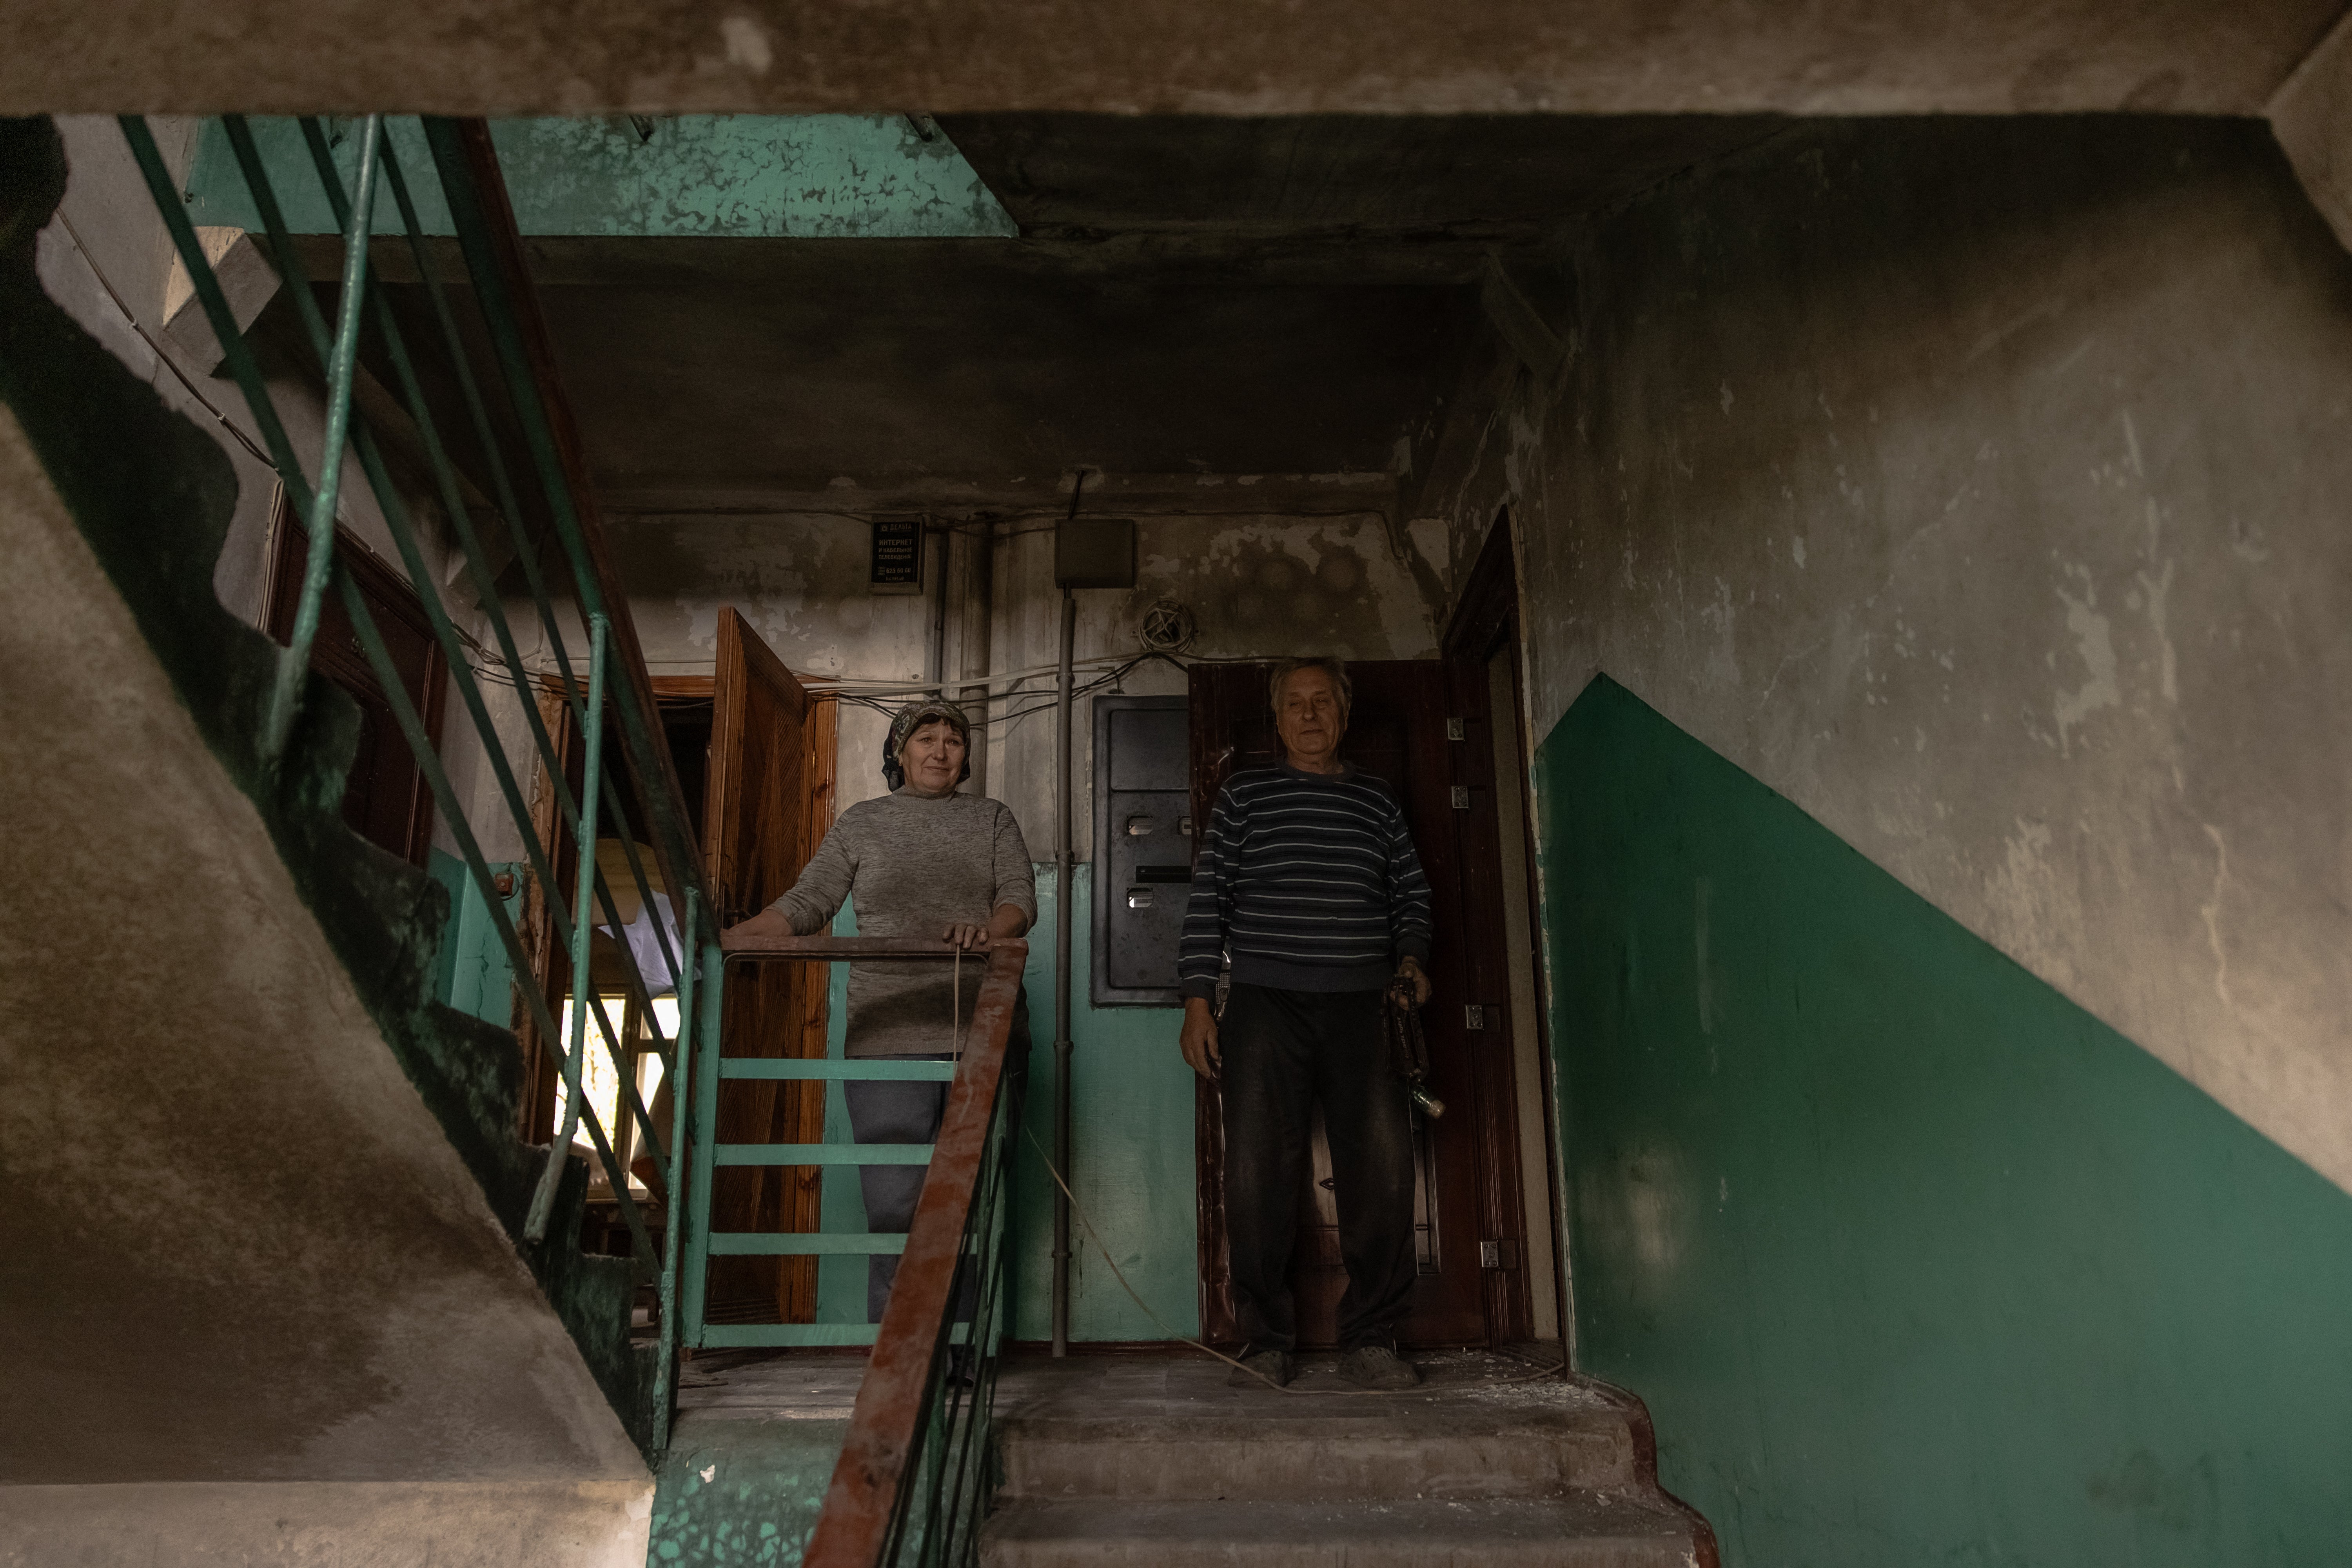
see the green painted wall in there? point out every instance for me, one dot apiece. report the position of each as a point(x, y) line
point(471, 972)
point(741, 176)
point(1131, 1148)
point(1131, 1142)
point(1915, 1261)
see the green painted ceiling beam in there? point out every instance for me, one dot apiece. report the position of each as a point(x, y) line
point(750, 177)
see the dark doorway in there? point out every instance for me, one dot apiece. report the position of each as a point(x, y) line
point(1472, 1291)
point(386, 800)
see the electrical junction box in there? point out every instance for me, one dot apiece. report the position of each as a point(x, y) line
point(1143, 848)
point(1094, 552)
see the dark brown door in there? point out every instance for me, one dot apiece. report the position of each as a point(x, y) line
point(756, 840)
point(1468, 1160)
point(385, 799)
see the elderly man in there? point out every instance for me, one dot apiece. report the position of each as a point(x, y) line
point(1308, 885)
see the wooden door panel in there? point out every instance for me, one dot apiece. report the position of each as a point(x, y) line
point(1396, 732)
point(758, 837)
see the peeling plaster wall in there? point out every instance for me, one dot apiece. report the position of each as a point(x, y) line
point(739, 175)
point(1258, 587)
point(1980, 487)
point(800, 579)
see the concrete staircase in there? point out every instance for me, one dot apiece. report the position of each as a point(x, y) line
point(1153, 1460)
point(263, 1294)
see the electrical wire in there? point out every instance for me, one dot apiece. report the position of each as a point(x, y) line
point(156, 348)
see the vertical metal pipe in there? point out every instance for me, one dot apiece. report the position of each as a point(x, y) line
point(1064, 869)
point(970, 582)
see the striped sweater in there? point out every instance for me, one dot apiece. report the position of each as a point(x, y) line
point(1308, 882)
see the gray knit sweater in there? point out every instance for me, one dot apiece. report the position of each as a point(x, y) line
point(911, 865)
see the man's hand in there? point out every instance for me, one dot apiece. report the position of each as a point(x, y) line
point(1411, 969)
point(1199, 1040)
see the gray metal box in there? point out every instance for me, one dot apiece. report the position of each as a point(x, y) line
point(1143, 848)
point(1095, 553)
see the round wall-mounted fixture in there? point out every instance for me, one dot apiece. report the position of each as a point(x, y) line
point(1168, 628)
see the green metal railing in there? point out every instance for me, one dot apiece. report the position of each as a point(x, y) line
point(914, 1472)
point(522, 385)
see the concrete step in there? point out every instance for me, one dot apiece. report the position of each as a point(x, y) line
point(1582, 1529)
point(1172, 1430)
point(1399, 1450)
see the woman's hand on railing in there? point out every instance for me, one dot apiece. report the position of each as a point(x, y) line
point(763, 930)
point(1007, 922)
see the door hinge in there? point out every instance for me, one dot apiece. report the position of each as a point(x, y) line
point(1461, 798)
point(1502, 1254)
point(1454, 729)
point(1474, 1015)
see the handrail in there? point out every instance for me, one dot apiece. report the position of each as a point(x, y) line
point(466, 167)
point(652, 767)
point(868, 1504)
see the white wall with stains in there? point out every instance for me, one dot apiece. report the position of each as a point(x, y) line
point(1257, 586)
point(1346, 582)
point(1985, 489)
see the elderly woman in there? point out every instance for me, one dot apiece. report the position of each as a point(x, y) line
point(921, 861)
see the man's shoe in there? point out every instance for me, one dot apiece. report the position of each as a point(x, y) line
point(1379, 1366)
point(1257, 1371)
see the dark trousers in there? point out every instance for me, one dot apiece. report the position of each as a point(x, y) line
point(911, 1113)
point(1280, 1052)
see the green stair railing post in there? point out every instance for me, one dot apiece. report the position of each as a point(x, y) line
point(294, 667)
point(277, 711)
point(396, 518)
point(696, 1254)
point(646, 750)
point(576, 1049)
point(684, 1075)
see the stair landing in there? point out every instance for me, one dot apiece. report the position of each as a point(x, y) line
point(1153, 1459)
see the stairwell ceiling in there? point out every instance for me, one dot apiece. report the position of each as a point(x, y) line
point(1266, 308)
point(1200, 57)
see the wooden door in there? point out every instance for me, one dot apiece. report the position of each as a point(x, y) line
point(758, 833)
point(1397, 731)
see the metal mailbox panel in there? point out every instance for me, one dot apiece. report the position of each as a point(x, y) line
point(1143, 848)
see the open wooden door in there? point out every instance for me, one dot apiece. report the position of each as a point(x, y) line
point(764, 815)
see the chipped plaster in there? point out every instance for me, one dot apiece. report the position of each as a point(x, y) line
point(2030, 583)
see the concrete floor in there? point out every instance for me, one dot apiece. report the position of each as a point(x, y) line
point(1151, 1458)
point(768, 1386)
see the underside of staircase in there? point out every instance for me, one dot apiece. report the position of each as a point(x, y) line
point(266, 1291)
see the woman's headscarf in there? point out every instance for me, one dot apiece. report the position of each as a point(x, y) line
point(913, 717)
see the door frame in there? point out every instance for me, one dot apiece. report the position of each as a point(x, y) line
point(1486, 622)
point(1479, 1091)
